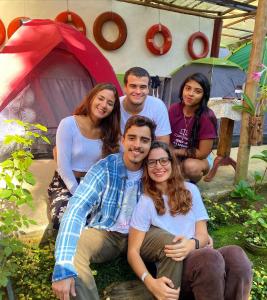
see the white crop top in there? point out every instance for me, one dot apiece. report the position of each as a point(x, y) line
point(74, 151)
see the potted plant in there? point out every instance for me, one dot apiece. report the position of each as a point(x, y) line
point(257, 110)
point(256, 231)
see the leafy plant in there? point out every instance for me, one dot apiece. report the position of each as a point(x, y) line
point(223, 213)
point(244, 191)
point(260, 106)
point(250, 108)
point(256, 227)
point(33, 277)
point(259, 286)
point(14, 180)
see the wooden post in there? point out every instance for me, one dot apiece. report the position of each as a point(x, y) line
point(260, 31)
point(216, 38)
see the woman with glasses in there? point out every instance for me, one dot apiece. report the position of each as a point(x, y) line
point(169, 227)
point(194, 127)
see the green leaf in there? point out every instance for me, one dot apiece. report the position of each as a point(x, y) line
point(41, 127)
point(7, 251)
point(257, 176)
point(243, 108)
point(8, 163)
point(45, 139)
point(260, 156)
point(249, 103)
point(29, 178)
point(5, 194)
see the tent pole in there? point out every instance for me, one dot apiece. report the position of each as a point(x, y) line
point(260, 30)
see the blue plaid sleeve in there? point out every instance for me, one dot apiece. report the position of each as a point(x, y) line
point(86, 196)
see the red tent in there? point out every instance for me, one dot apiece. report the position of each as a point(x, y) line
point(33, 42)
point(46, 68)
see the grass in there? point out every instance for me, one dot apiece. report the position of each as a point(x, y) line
point(231, 235)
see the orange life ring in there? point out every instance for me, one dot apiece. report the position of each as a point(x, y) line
point(97, 30)
point(2, 33)
point(15, 25)
point(69, 17)
point(190, 45)
point(150, 35)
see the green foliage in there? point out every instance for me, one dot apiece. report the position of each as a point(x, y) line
point(249, 108)
point(244, 191)
point(256, 227)
point(262, 156)
point(33, 277)
point(223, 213)
point(259, 286)
point(14, 180)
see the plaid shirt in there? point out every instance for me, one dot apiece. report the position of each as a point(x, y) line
point(100, 194)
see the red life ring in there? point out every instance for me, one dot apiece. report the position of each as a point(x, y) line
point(69, 17)
point(2, 33)
point(190, 45)
point(15, 25)
point(97, 30)
point(152, 31)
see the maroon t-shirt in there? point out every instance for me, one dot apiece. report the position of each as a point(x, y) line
point(181, 126)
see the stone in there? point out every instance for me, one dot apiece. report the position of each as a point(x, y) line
point(128, 290)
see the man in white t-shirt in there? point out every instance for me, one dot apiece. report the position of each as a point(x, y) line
point(137, 101)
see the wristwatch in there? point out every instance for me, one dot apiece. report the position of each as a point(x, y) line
point(197, 242)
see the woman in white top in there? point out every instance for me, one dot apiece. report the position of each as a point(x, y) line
point(167, 226)
point(92, 133)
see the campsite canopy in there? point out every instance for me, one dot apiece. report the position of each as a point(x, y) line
point(241, 55)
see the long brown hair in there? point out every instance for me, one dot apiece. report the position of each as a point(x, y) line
point(110, 126)
point(179, 198)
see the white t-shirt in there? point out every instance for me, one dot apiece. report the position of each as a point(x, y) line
point(129, 202)
point(154, 109)
point(145, 215)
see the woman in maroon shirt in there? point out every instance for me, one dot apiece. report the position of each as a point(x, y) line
point(194, 127)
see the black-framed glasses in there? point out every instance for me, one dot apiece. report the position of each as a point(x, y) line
point(164, 161)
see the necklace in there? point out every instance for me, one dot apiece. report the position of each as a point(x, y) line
point(187, 123)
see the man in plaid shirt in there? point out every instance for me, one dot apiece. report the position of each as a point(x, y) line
point(107, 195)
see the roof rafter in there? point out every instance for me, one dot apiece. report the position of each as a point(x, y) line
point(234, 4)
point(184, 10)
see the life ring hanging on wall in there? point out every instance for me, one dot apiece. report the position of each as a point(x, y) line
point(69, 17)
point(14, 25)
point(150, 35)
point(2, 33)
point(190, 45)
point(98, 26)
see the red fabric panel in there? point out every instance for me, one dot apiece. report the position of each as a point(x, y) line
point(33, 41)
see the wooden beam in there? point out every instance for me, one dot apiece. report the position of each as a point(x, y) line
point(258, 40)
point(238, 21)
point(233, 4)
point(231, 9)
point(162, 5)
point(239, 29)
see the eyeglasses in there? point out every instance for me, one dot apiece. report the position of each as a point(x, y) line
point(164, 161)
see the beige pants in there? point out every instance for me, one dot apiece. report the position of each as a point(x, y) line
point(100, 246)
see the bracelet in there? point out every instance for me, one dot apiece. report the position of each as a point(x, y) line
point(144, 275)
point(196, 242)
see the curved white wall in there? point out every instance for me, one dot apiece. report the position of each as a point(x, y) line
point(138, 20)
